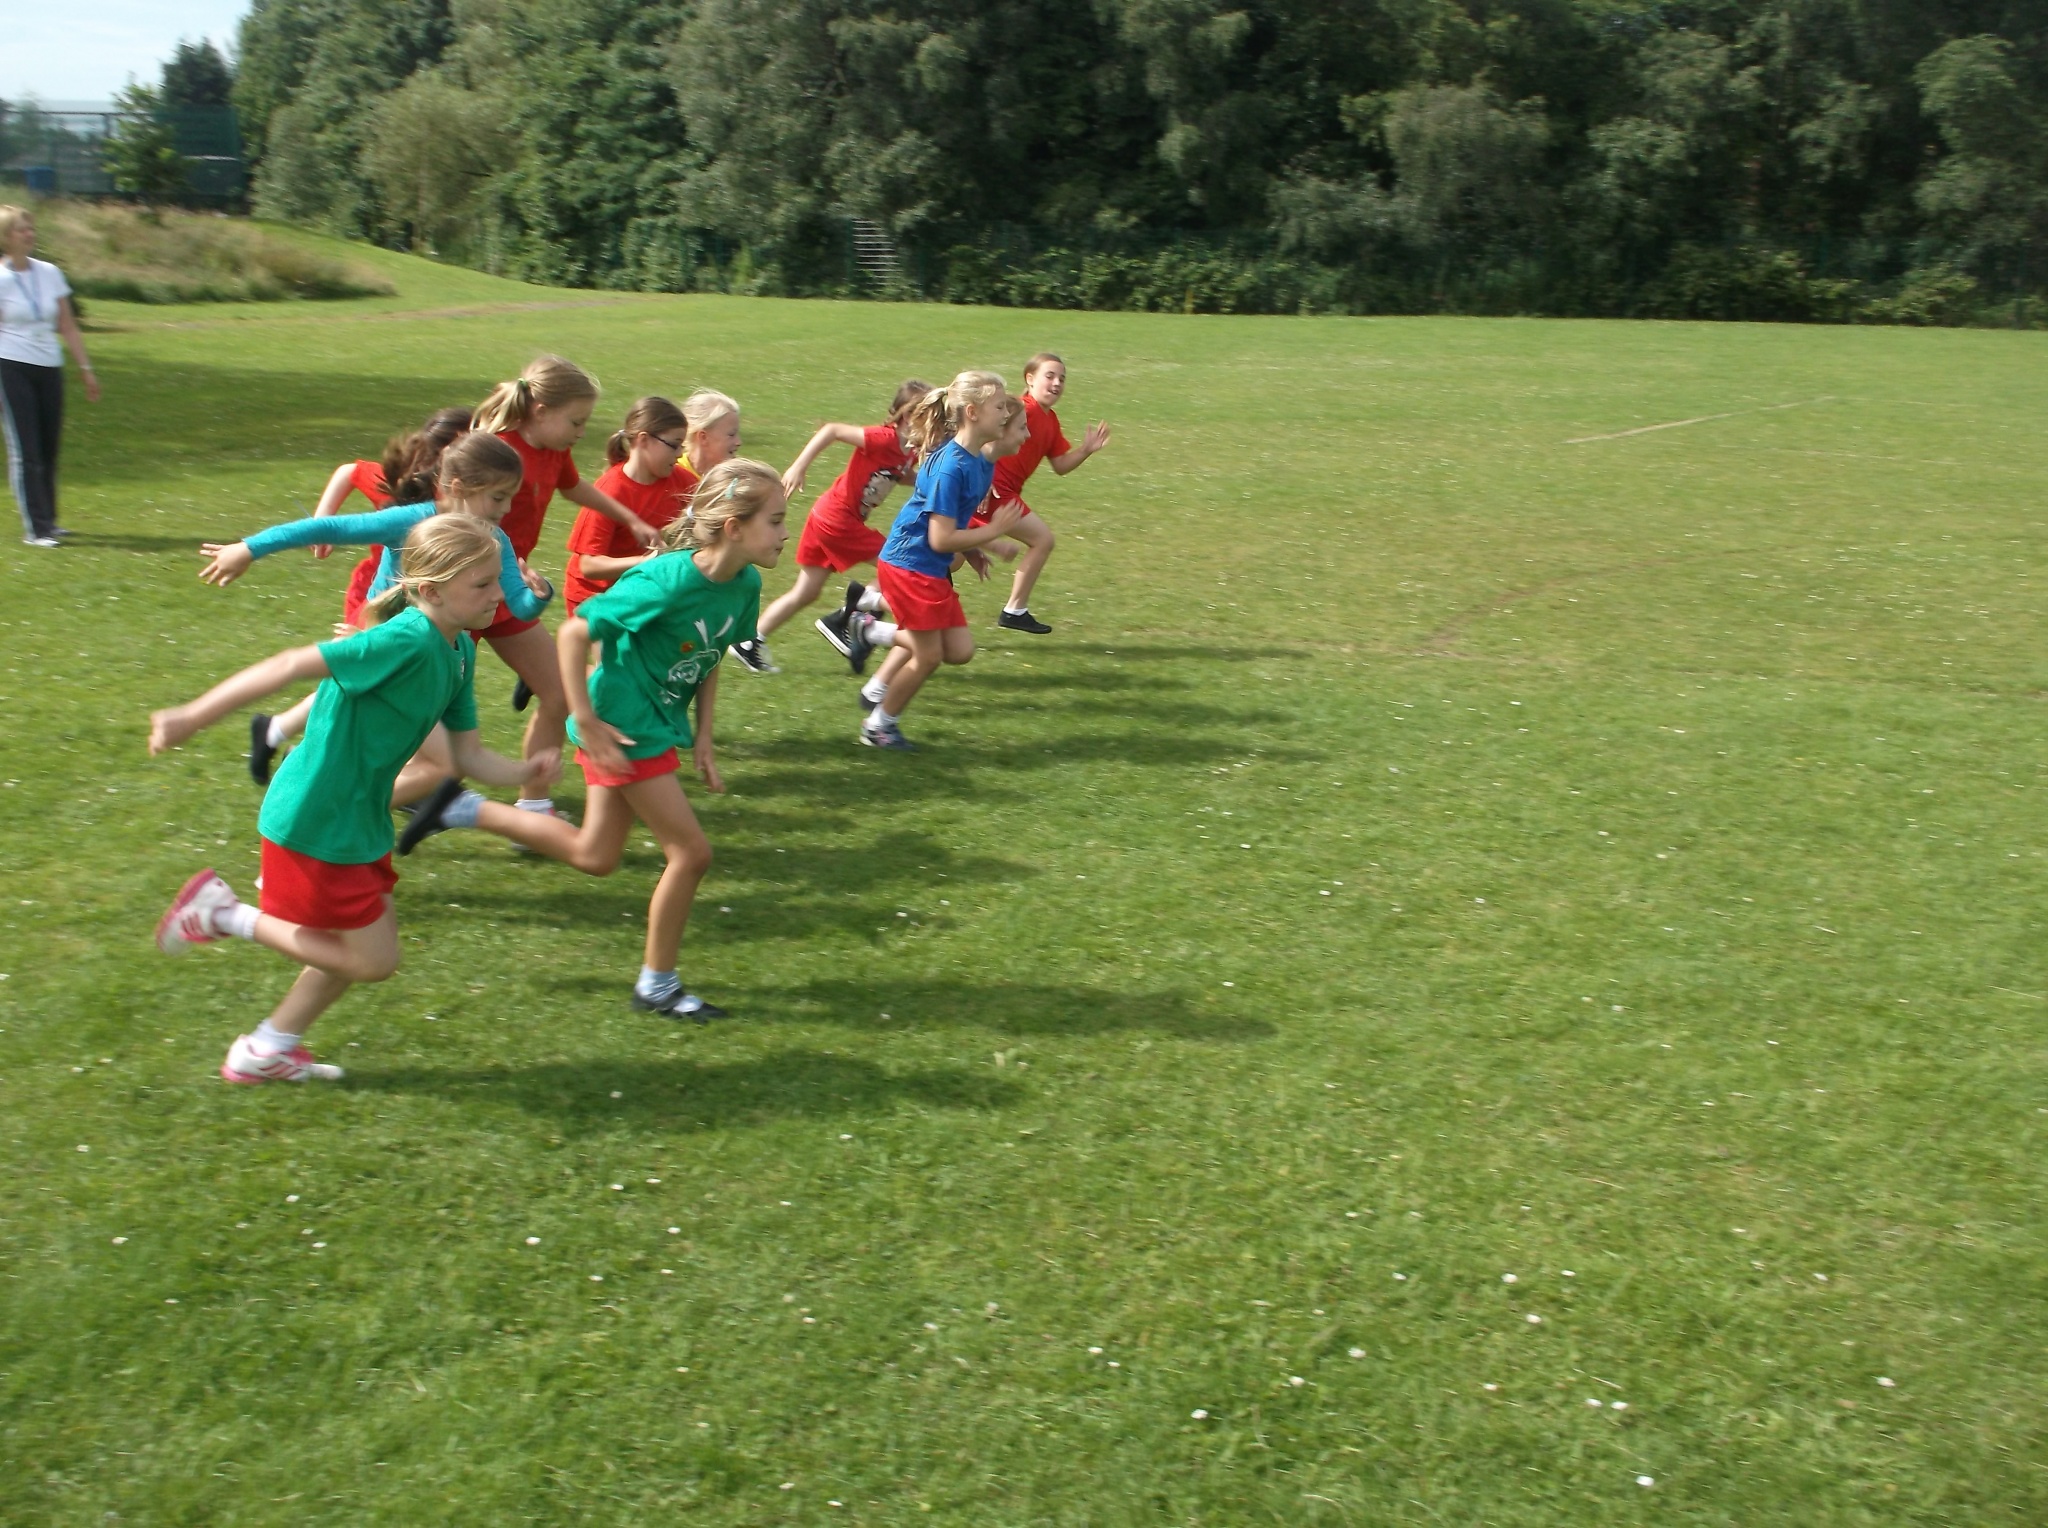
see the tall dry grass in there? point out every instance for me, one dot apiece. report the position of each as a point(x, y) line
point(131, 254)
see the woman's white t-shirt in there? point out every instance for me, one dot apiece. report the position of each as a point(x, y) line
point(28, 312)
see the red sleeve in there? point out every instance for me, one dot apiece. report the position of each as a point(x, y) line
point(1058, 445)
point(565, 475)
point(880, 442)
point(367, 478)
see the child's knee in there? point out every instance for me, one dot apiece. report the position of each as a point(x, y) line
point(691, 859)
point(375, 966)
point(958, 656)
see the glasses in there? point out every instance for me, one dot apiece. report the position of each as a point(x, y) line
point(673, 445)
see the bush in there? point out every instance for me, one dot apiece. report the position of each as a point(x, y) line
point(1935, 294)
point(131, 255)
point(1765, 285)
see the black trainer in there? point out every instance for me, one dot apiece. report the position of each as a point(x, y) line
point(844, 629)
point(522, 697)
point(753, 657)
point(260, 751)
point(680, 1005)
point(427, 816)
point(856, 591)
point(1022, 620)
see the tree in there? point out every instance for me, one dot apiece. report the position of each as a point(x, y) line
point(140, 153)
point(429, 149)
point(1989, 195)
point(197, 75)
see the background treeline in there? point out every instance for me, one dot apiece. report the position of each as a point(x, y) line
point(1790, 159)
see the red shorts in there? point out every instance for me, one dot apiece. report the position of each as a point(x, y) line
point(504, 624)
point(358, 594)
point(636, 769)
point(918, 601)
point(981, 515)
point(837, 542)
point(314, 894)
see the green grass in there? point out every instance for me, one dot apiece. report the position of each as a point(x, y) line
point(1682, 789)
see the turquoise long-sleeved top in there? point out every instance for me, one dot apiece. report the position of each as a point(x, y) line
point(388, 528)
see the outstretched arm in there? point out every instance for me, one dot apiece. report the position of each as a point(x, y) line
point(294, 666)
point(947, 536)
point(228, 561)
point(828, 435)
point(1096, 437)
point(591, 497)
point(339, 486)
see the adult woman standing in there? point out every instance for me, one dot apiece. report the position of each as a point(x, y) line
point(35, 308)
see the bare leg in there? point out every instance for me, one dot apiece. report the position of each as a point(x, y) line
point(334, 961)
point(426, 769)
point(927, 649)
point(661, 804)
point(810, 583)
point(1038, 542)
point(595, 848)
point(292, 723)
point(893, 664)
point(531, 655)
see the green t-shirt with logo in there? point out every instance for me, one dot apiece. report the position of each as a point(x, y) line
point(385, 690)
point(664, 627)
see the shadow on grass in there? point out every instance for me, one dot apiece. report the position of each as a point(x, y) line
point(674, 1093)
point(1015, 1008)
point(93, 541)
point(797, 893)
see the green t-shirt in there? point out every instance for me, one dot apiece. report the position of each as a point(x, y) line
point(385, 690)
point(664, 627)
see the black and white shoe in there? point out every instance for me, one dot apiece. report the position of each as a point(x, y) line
point(856, 591)
point(680, 1005)
point(846, 630)
point(428, 817)
point(1022, 620)
point(260, 752)
point(522, 696)
point(753, 657)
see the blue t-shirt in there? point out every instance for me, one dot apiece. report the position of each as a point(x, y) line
point(952, 482)
point(387, 528)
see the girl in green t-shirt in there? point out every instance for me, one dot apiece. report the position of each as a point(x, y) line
point(326, 822)
point(663, 628)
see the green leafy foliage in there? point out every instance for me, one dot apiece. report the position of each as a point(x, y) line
point(142, 152)
point(1583, 156)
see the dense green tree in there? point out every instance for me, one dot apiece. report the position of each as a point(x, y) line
point(197, 75)
point(141, 155)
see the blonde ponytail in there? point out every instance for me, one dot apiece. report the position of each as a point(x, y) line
point(436, 551)
point(936, 415)
point(548, 381)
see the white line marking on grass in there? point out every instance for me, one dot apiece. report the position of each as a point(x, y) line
point(1679, 424)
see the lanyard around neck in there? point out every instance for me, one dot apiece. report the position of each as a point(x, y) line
point(33, 292)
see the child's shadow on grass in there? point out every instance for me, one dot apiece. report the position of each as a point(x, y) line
point(1014, 1008)
point(679, 1094)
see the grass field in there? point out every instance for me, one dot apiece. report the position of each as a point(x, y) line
point(1454, 927)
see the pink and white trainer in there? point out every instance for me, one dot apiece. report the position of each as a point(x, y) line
point(189, 918)
point(246, 1064)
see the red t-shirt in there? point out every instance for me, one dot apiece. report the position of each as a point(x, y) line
point(597, 535)
point(367, 478)
point(877, 463)
point(544, 474)
point(1042, 439)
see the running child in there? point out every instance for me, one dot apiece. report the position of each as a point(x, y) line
point(540, 414)
point(1045, 379)
point(657, 458)
point(326, 822)
point(405, 474)
point(930, 537)
point(663, 627)
point(478, 477)
point(836, 534)
point(839, 626)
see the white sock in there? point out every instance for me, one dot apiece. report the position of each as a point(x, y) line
point(1016, 610)
point(655, 984)
point(266, 1041)
point(462, 811)
point(540, 804)
point(872, 602)
point(882, 633)
point(874, 691)
point(882, 718)
point(238, 921)
point(275, 734)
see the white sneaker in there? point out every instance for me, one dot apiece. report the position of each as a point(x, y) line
point(246, 1064)
point(40, 541)
point(189, 918)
